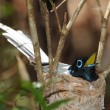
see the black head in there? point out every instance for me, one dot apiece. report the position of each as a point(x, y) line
point(78, 69)
point(79, 63)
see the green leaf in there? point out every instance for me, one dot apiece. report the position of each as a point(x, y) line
point(15, 108)
point(26, 85)
point(6, 9)
point(20, 108)
point(3, 98)
point(36, 92)
point(2, 106)
point(56, 104)
point(39, 97)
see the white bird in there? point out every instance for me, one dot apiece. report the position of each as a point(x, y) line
point(24, 45)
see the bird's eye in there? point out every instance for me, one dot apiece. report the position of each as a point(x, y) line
point(79, 63)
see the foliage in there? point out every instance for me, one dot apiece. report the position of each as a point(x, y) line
point(38, 93)
point(28, 97)
point(6, 9)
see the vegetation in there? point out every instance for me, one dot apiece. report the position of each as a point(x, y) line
point(17, 91)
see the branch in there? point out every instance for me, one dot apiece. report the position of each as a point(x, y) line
point(57, 7)
point(45, 14)
point(102, 37)
point(64, 33)
point(65, 19)
point(76, 13)
point(35, 40)
point(22, 69)
point(100, 9)
point(57, 17)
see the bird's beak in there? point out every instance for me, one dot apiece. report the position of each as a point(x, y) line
point(91, 60)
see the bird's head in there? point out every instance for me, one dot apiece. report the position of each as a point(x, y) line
point(84, 68)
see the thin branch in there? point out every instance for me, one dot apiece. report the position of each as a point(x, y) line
point(57, 7)
point(22, 69)
point(102, 37)
point(45, 14)
point(57, 17)
point(35, 40)
point(64, 33)
point(100, 9)
point(65, 19)
point(76, 13)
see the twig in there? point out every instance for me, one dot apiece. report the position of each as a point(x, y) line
point(102, 37)
point(22, 69)
point(57, 7)
point(45, 14)
point(64, 33)
point(100, 9)
point(65, 19)
point(35, 40)
point(57, 17)
point(76, 13)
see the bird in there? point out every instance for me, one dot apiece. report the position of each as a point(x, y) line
point(24, 44)
point(84, 68)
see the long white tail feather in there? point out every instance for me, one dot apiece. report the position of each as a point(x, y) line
point(22, 43)
point(24, 50)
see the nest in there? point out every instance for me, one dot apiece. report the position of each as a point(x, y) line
point(85, 95)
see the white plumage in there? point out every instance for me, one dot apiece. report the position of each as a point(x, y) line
point(24, 45)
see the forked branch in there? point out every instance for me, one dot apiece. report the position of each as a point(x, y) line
point(57, 7)
point(64, 33)
point(75, 14)
point(102, 37)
